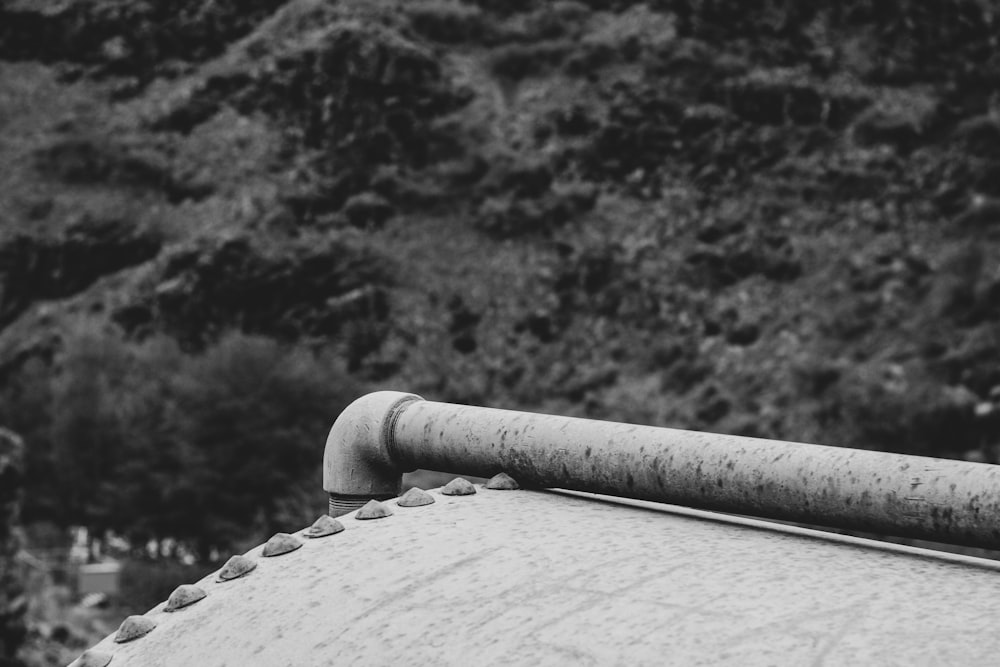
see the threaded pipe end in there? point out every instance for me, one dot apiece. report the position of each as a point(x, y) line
point(341, 504)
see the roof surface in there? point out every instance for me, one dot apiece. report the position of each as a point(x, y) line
point(545, 578)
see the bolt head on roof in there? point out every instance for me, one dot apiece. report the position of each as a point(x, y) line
point(502, 482)
point(134, 627)
point(183, 596)
point(92, 658)
point(415, 498)
point(236, 567)
point(281, 543)
point(458, 487)
point(373, 510)
point(323, 526)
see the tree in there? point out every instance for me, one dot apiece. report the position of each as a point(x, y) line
point(252, 417)
point(87, 432)
point(212, 451)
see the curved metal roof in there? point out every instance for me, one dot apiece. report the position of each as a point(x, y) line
point(549, 578)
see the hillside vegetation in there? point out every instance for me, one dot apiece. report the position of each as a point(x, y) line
point(769, 218)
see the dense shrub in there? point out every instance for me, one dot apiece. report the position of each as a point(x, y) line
point(518, 61)
point(448, 22)
point(127, 37)
point(510, 216)
point(246, 282)
point(36, 267)
point(885, 407)
point(214, 450)
point(93, 160)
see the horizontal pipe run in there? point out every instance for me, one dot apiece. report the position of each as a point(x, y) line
point(911, 496)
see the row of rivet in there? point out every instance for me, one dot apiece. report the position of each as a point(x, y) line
point(237, 566)
point(415, 497)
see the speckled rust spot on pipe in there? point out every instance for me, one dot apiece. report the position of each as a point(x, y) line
point(384, 434)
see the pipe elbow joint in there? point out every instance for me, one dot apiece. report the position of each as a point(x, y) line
point(357, 460)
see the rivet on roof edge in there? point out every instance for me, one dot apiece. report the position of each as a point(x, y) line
point(184, 596)
point(458, 487)
point(373, 509)
point(92, 658)
point(134, 627)
point(281, 543)
point(323, 526)
point(415, 497)
point(502, 482)
point(236, 567)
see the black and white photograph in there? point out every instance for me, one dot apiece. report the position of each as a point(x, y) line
point(499, 332)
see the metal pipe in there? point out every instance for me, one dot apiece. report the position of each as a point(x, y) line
point(357, 465)
point(382, 435)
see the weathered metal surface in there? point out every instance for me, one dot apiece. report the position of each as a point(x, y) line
point(502, 482)
point(342, 504)
point(324, 527)
point(92, 658)
point(183, 596)
point(236, 567)
point(935, 499)
point(133, 628)
point(458, 487)
point(364, 426)
point(373, 510)
point(415, 498)
point(280, 544)
point(538, 578)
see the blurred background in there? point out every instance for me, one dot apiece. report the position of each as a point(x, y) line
point(223, 220)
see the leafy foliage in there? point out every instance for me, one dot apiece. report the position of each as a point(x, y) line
point(212, 451)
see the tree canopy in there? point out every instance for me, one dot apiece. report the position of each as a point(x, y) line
point(210, 450)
